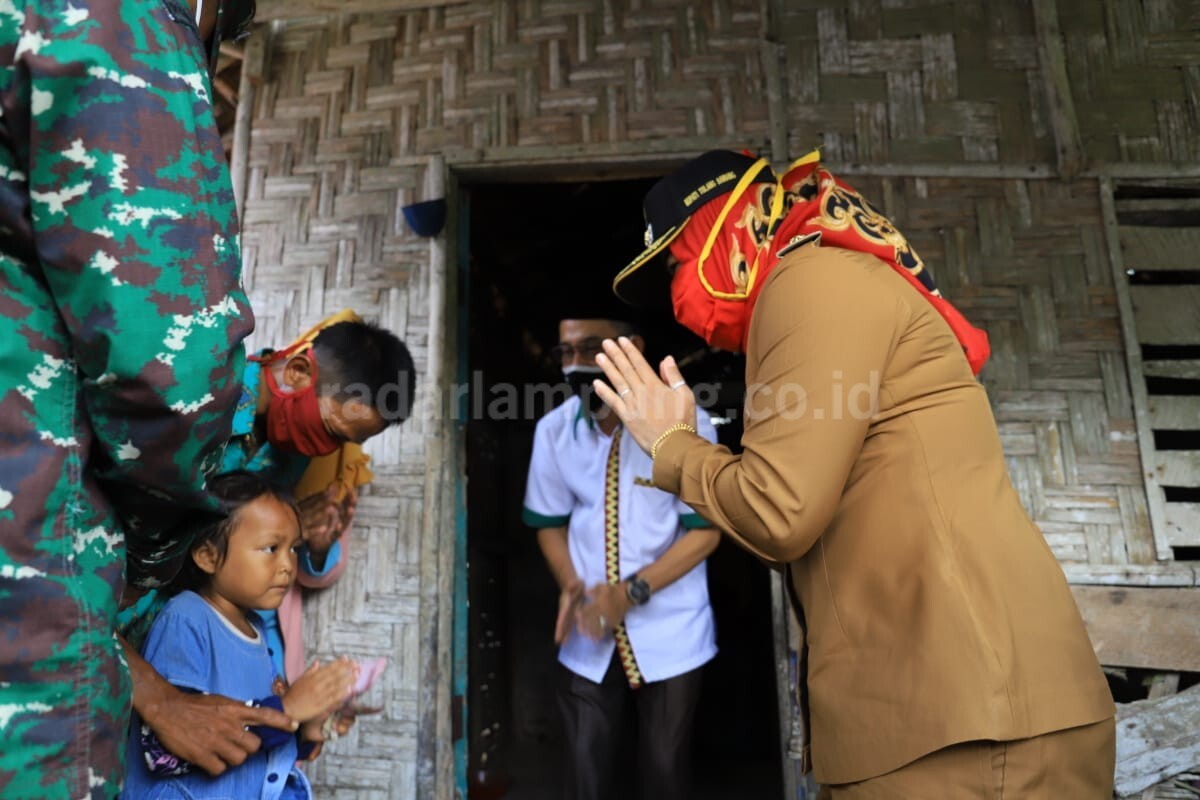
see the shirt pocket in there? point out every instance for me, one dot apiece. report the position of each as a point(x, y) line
point(649, 524)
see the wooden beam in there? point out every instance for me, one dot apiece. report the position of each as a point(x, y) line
point(1162, 684)
point(1178, 467)
point(1166, 314)
point(1157, 739)
point(441, 528)
point(1053, 60)
point(475, 163)
point(253, 68)
point(1166, 204)
point(774, 59)
point(226, 91)
point(1156, 248)
point(1169, 412)
point(1189, 370)
point(1182, 522)
point(781, 613)
point(1170, 173)
point(1133, 363)
point(269, 10)
point(232, 50)
point(1137, 627)
point(1165, 574)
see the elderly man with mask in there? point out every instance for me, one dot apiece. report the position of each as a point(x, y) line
point(945, 655)
point(120, 357)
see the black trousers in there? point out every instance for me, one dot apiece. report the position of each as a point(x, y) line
point(594, 721)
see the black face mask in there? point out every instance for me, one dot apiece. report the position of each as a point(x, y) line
point(580, 378)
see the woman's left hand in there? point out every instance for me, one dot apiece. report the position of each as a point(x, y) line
point(648, 404)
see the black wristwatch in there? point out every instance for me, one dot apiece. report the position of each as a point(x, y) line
point(637, 590)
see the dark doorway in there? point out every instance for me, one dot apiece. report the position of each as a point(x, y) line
point(531, 248)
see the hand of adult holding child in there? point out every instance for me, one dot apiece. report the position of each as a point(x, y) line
point(206, 730)
point(320, 690)
point(648, 404)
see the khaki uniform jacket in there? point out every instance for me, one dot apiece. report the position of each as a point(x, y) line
point(934, 611)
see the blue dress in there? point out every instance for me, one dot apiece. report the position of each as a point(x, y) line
point(194, 648)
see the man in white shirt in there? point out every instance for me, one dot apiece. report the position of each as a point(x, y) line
point(633, 610)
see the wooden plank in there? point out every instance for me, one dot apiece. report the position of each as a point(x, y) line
point(1057, 83)
point(1153, 248)
point(1169, 172)
point(1157, 739)
point(784, 699)
point(1182, 521)
point(253, 64)
point(1163, 575)
point(289, 9)
point(1133, 361)
point(1156, 204)
point(1167, 314)
point(1177, 467)
point(1189, 370)
point(1140, 627)
point(1174, 412)
point(774, 59)
point(1163, 684)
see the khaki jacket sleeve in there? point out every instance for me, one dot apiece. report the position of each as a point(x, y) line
point(822, 331)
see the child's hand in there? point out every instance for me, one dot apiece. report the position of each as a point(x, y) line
point(311, 731)
point(343, 721)
point(320, 690)
point(330, 729)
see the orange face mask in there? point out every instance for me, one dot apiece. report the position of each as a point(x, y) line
point(294, 422)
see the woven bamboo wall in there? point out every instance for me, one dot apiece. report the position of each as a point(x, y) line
point(1028, 261)
point(1135, 73)
point(351, 109)
point(933, 81)
point(905, 81)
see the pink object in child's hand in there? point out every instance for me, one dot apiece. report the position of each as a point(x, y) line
point(368, 672)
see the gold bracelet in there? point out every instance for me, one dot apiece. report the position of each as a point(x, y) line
point(679, 426)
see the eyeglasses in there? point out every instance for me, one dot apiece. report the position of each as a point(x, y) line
point(587, 350)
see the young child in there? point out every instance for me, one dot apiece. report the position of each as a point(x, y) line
point(207, 639)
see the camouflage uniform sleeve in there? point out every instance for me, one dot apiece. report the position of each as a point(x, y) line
point(132, 210)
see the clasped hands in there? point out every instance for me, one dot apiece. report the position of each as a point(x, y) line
point(213, 732)
point(324, 517)
point(317, 697)
point(595, 612)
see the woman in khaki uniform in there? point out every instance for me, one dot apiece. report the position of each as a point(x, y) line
point(945, 655)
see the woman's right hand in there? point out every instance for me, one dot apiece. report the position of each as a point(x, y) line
point(320, 690)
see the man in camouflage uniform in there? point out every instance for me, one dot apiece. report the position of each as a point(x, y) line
point(121, 322)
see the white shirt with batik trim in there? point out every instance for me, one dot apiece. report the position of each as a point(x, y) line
point(674, 632)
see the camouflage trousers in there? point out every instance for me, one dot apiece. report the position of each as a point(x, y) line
point(64, 685)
